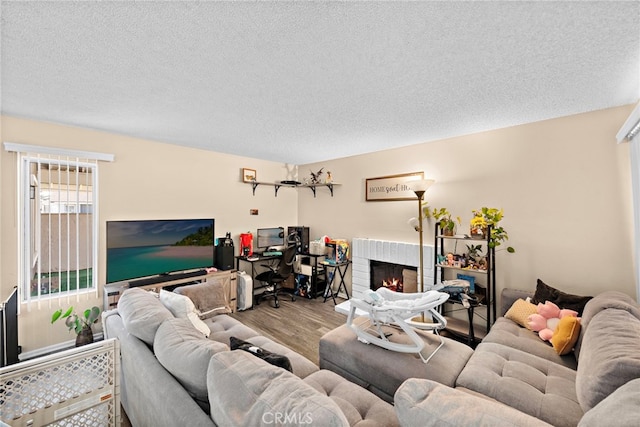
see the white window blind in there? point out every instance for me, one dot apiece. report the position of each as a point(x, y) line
point(58, 222)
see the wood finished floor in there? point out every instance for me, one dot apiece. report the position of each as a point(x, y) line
point(297, 325)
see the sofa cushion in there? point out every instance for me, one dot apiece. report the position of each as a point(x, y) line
point(610, 355)
point(420, 402)
point(520, 311)
point(185, 353)
point(623, 404)
point(142, 313)
point(223, 327)
point(608, 299)
point(545, 293)
point(247, 391)
point(208, 297)
point(358, 405)
point(182, 306)
point(531, 384)
point(508, 333)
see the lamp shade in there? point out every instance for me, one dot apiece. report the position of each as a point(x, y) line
point(421, 185)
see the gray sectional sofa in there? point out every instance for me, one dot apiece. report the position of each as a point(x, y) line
point(172, 375)
point(513, 377)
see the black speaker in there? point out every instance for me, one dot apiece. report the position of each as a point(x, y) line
point(303, 235)
point(224, 257)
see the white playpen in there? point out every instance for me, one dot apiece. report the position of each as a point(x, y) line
point(76, 387)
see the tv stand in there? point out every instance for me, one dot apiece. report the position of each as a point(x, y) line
point(166, 277)
point(113, 291)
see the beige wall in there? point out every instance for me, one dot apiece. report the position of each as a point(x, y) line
point(564, 185)
point(147, 180)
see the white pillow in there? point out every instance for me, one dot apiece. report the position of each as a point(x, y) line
point(181, 306)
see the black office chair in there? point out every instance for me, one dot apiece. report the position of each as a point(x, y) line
point(276, 275)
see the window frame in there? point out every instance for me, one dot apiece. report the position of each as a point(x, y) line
point(29, 235)
point(52, 155)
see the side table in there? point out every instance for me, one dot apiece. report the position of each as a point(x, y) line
point(340, 269)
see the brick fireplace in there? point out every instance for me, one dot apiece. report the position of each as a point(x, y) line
point(406, 254)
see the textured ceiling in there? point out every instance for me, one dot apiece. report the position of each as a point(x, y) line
point(310, 81)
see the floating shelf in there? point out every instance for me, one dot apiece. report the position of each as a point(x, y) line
point(277, 185)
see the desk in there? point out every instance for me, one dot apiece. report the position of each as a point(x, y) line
point(340, 268)
point(259, 258)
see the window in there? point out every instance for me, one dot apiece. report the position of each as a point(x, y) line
point(58, 226)
point(59, 256)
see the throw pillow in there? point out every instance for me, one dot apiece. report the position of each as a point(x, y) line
point(609, 357)
point(209, 298)
point(566, 334)
point(182, 307)
point(267, 356)
point(545, 293)
point(142, 313)
point(520, 311)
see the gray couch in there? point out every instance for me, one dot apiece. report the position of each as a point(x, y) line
point(173, 375)
point(514, 378)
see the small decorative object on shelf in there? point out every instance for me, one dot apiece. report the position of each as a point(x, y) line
point(315, 177)
point(80, 324)
point(484, 218)
point(329, 178)
point(249, 175)
point(443, 216)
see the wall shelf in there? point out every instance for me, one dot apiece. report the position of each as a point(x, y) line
point(277, 185)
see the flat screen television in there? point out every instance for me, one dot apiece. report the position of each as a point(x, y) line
point(143, 248)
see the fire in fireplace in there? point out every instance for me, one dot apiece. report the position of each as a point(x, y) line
point(395, 277)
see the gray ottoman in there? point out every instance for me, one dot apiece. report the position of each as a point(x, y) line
point(382, 371)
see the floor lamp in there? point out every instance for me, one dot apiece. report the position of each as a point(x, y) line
point(420, 187)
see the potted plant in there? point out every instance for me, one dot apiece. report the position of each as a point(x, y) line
point(474, 252)
point(485, 217)
point(447, 222)
point(80, 324)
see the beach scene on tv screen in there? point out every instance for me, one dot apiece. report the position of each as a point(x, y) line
point(146, 248)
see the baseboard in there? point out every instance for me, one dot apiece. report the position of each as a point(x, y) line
point(28, 355)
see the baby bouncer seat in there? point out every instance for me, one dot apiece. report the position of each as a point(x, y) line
point(385, 307)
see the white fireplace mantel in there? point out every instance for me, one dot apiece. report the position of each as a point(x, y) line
point(364, 250)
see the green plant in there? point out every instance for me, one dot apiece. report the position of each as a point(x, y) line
point(491, 217)
point(443, 216)
point(75, 322)
point(474, 251)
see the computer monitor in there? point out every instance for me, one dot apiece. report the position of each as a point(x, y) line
point(269, 237)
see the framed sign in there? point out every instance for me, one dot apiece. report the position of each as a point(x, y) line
point(392, 187)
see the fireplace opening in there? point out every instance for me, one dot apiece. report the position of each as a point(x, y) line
point(395, 277)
